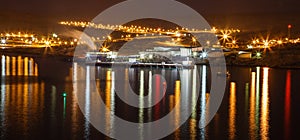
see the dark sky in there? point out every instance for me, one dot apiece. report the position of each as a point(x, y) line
point(240, 13)
point(92, 7)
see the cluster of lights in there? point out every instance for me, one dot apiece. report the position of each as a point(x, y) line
point(228, 40)
point(19, 34)
point(31, 40)
point(226, 36)
point(267, 43)
point(132, 31)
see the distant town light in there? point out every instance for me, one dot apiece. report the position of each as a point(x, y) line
point(266, 44)
point(225, 36)
point(55, 35)
point(151, 56)
point(109, 37)
point(258, 54)
point(208, 42)
point(195, 54)
point(104, 49)
point(47, 43)
point(178, 34)
point(203, 55)
point(233, 41)
point(194, 39)
point(3, 41)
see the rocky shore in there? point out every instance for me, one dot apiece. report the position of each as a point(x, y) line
point(277, 57)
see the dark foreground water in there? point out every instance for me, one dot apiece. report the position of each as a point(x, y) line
point(258, 102)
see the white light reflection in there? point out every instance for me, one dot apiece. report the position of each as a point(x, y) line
point(31, 66)
point(203, 103)
point(194, 100)
point(74, 99)
point(3, 92)
point(141, 104)
point(7, 65)
point(150, 96)
point(193, 121)
point(185, 89)
point(3, 65)
point(112, 100)
point(203, 97)
point(87, 102)
point(257, 98)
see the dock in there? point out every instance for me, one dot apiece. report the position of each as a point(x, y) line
point(151, 65)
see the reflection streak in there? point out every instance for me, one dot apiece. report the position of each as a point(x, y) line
point(25, 105)
point(87, 103)
point(141, 104)
point(3, 65)
point(3, 92)
point(257, 98)
point(177, 110)
point(193, 121)
point(252, 126)
point(232, 110)
point(203, 102)
point(150, 96)
point(264, 124)
point(108, 102)
point(7, 65)
point(26, 66)
point(13, 59)
point(20, 66)
point(287, 106)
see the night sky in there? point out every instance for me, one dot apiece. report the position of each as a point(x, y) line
point(92, 7)
point(244, 14)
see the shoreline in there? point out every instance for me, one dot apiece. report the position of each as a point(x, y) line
point(280, 58)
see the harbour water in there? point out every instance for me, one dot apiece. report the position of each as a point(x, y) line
point(38, 101)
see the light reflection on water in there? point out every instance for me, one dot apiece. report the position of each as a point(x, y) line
point(252, 123)
point(20, 97)
point(25, 66)
point(287, 106)
point(232, 111)
point(264, 124)
point(34, 108)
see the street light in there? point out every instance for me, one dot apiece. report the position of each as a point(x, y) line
point(3, 41)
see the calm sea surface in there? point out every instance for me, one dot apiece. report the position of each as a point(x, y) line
point(39, 100)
